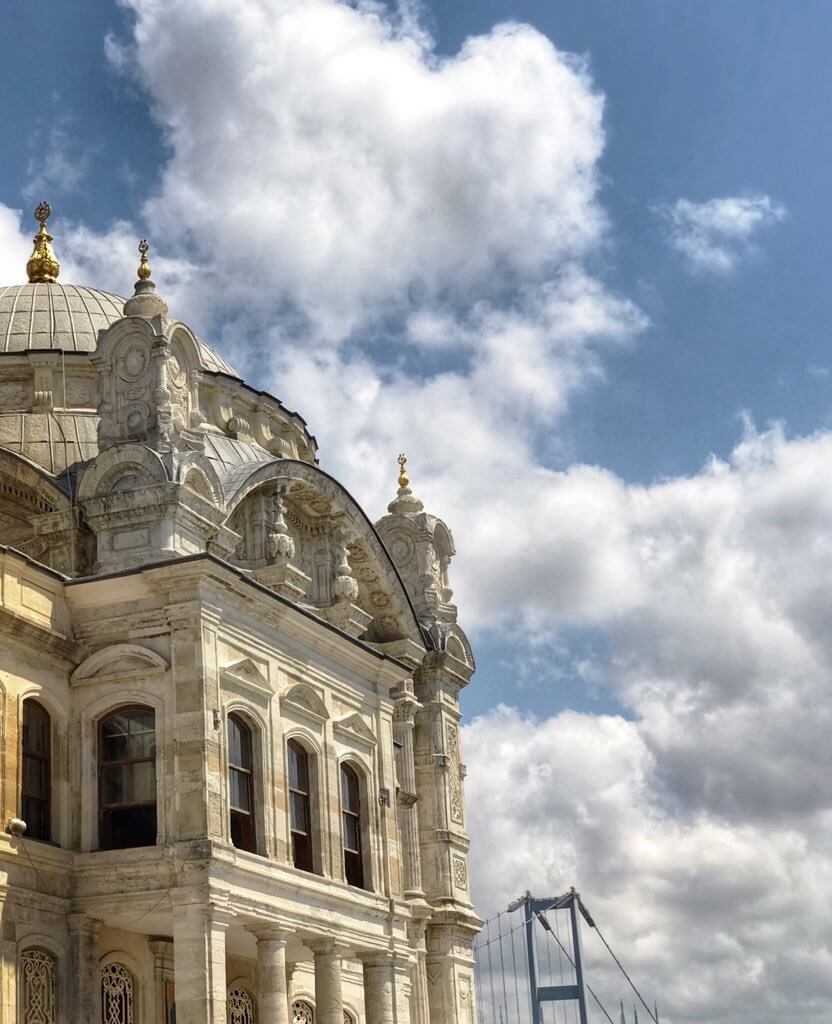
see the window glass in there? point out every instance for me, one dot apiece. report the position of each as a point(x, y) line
point(300, 816)
point(127, 779)
point(241, 784)
point(36, 770)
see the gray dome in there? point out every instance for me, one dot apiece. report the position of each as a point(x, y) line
point(67, 317)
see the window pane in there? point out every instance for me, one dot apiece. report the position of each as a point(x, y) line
point(36, 816)
point(113, 748)
point(141, 720)
point(143, 782)
point(35, 777)
point(35, 729)
point(353, 869)
point(116, 725)
point(240, 789)
point(302, 852)
point(128, 827)
point(349, 789)
point(114, 784)
point(298, 767)
point(352, 833)
point(299, 805)
point(239, 743)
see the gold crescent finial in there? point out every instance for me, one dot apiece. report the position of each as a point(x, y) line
point(144, 266)
point(43, 266)
point(403, 480)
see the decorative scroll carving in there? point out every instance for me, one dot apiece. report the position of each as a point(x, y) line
point(116, 995)
point(454, 775)
point(37, 976)
point(240, 1007)
point(302, 1012)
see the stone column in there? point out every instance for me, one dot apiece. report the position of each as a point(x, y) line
point(378, 990)
point(199, 962)
point(272, 982)
point(162, 952)
point(84, 979)
point(329, 1002)
point(419, 1002)
point(8, 958)
point(404, 711)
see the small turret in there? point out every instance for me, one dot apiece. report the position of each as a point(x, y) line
point(145, 301)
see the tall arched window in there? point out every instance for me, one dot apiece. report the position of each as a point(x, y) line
point(127, 779)
point(37, 987)
point(240, 1006)
point(302, 1012)
point(37, 770)
point(351, 826)
point(241, 784)
point(116, 995)
point(300, 810)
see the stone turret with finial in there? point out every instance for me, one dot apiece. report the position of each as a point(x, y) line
point(43, 266)
point(405, 502)
point(145, 301)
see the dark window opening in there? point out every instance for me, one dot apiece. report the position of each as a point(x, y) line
point(241, 785)
point(127, 779)
point(35, 799)
point(300, 817)
point(351, 824)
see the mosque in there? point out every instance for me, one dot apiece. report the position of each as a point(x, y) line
point(230, 770)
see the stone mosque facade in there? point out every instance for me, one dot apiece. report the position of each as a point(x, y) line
point(230, 771)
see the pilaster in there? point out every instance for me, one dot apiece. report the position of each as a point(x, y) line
point(84, 988)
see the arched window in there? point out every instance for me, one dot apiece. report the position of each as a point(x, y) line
point(240, 1006)
point(351, 826)
point(37, 987)
point(302, 1012)
point(241, 784)
point(127, 779)
point(300, 811)
point(116, 995)
point(37, 770)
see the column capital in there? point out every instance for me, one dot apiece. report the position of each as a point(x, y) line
point(81, 923)
point(322, 946)
point(265, 932)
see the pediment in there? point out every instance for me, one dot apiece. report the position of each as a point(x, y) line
point(354, 728)
point(247, 673)
point(303, 700)
point(118, 662)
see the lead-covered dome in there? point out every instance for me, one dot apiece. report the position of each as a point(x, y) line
point(68, 317)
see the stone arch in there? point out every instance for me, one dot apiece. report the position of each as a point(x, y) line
point(118, 660)
point(198, 474)
point(26, 491)
point(395, 620)
point(241, 1001)
point(117, 464)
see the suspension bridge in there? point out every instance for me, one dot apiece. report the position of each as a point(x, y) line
point(530, 968)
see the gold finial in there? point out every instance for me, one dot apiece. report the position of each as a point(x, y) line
point(144, 266)
point(403, 480)
point(43, 266)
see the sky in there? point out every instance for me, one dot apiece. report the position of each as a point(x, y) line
point(572, 259)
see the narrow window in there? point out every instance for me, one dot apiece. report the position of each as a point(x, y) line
point(240, 1006)
point(300, 823)
point(241, 784)
point(302, 1012)
point(351, 813)
point(37, 770)
point(116, 995)
point(37, 987)
point(127, 779)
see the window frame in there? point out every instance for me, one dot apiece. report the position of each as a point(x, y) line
point(103, 808)
point(360, 816)
point(294, 744)
point(34, 702)
point(250, 772)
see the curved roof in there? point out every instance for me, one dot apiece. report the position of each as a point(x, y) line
point(68, 317)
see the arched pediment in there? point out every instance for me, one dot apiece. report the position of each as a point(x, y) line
point(122, 467)
point(303, 700)
point(197, 473)
point(323, 519)
point(26, 492)
point(119, 661)
point(355, 729)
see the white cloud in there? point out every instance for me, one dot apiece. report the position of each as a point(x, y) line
point(718, 234)
point(334, 180)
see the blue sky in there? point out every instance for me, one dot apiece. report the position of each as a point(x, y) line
point(577, 269)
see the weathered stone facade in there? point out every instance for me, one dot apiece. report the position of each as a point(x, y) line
point(171, 548)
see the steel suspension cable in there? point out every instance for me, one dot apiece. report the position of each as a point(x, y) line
point(601, 1006)
point(627, 976)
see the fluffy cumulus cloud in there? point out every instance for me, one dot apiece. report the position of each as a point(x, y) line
point(716, 235)
point(406, 247)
